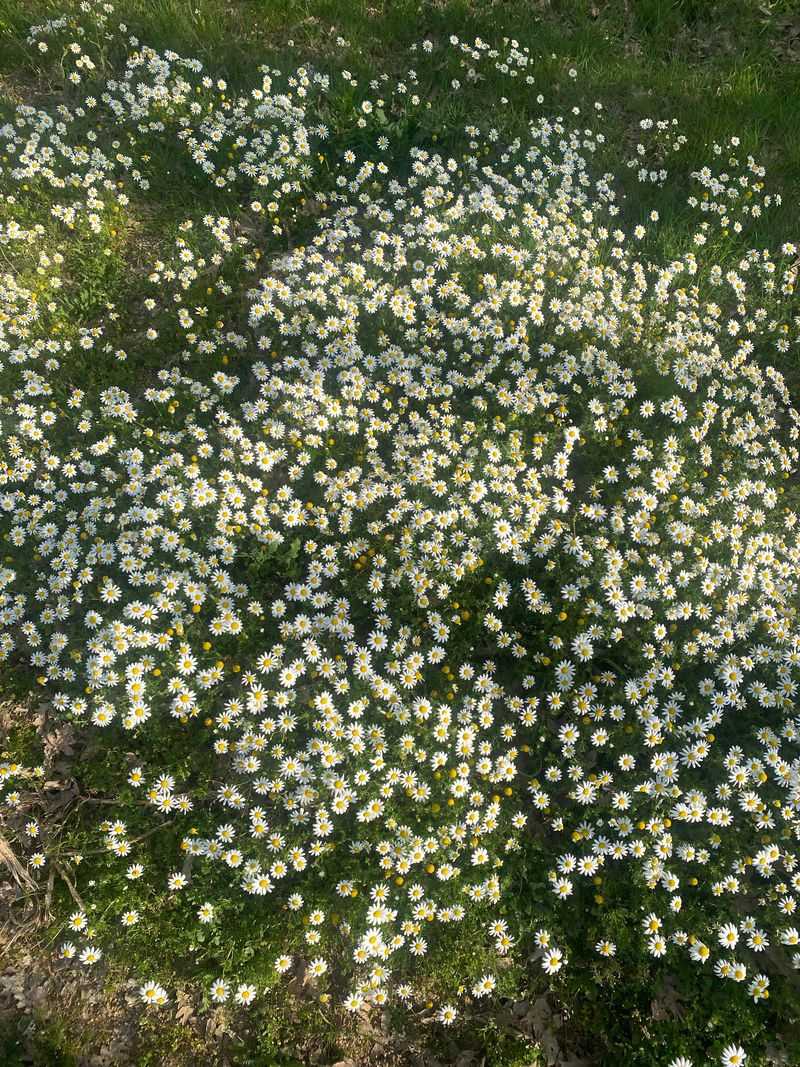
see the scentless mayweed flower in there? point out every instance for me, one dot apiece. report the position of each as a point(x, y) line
point(153, 994)
point(456, 542)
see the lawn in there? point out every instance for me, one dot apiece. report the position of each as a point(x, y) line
point(398, 632)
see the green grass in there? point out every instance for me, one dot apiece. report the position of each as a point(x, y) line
point(718, 67)
point(721, 68)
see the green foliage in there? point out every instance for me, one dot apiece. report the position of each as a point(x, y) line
point(649, 57)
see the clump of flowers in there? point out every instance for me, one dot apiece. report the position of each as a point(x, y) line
point(452, 533)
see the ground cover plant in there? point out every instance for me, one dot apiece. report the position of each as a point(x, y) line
point(400, 545)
